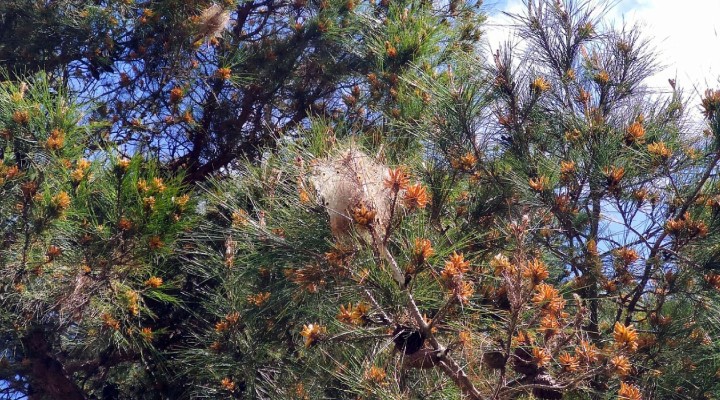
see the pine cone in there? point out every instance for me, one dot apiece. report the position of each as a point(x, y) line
point(523, 362)
point(423, 359)
point(494, 359)
point(545, 393)
point(408, 340)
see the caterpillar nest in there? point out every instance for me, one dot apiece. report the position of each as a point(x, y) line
point(351, 184)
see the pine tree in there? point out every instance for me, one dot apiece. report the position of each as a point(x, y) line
point(203, 84)
point(336, 199)
point(543, 228)
point(86, 239)
point(158, 94)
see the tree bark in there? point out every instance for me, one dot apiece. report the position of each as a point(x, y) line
point(48, 379)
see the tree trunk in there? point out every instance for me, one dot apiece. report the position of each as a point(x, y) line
point(48, 379)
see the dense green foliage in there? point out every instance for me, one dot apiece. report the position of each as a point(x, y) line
point(340, 199)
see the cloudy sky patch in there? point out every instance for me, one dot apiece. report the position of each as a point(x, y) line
point(686, 35)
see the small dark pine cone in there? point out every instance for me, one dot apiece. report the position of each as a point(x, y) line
point(543, 393)
point(503, 302)
point(423, 359)
point(523, 362)
point(408, 340)
point(494, 359)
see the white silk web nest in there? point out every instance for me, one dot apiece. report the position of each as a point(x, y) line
point(347, 179)
point(212, 22)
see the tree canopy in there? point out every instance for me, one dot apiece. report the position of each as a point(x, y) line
point(350, 199)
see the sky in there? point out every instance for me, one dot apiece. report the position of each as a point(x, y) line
point(686, 35)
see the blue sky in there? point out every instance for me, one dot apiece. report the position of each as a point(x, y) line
point(685, 33)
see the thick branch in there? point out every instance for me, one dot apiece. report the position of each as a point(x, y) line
point(48, 378)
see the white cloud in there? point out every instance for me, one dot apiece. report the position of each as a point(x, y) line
point(499, 25)
point(686, 35)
